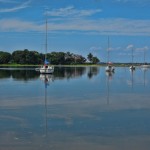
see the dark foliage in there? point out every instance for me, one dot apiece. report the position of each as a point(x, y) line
point(5, 57)
point(33, 57)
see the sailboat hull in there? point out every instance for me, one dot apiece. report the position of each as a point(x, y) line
point(132, 67)
point(46, 69)
point(145, 66)
point(109, 69)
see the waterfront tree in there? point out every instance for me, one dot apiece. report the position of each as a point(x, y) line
point(33, 57)
point(95, 60)
point(5, 57)
point(90, 56)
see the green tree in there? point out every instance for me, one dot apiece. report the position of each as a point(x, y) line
point(33, 57)
point(18, 57)
point(26, 57)
point(5, 57)
point(90, 57)
point(78, 59)
point(69, 59)
point(95, 60)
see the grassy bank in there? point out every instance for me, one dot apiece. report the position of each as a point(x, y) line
point(77, 65)
point(17, 65)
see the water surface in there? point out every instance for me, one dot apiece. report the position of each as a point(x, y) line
point(76, 108)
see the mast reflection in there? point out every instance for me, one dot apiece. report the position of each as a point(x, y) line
point(46, 78)
point(109, 78)
point(132, 77)
point(144, 75)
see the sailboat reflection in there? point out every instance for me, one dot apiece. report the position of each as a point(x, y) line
point(109, 78)
point(132, 77)
point(46, 78)
point(109, 75)
point(144, 71)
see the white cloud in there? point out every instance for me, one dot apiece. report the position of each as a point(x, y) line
point(138, 49)
point(16, 8)
point(94, 48)
point(142, 48)
point(83, 25)
point(69, 19)
point(120, 0)
point(118, 26)
point(6, 1)
point(129, 47)
point(115, 48)
point(71, 11)
point(19, 25)
point(118, 48)
point(124, 54)
point(133, 1)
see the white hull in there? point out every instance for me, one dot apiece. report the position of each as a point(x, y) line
point(132, 67)
point(109, 69)
point(145, 66)
point(46, 69)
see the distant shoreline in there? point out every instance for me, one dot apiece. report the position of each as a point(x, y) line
point(77, 65)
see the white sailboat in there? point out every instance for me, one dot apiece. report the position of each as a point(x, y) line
point(46, 68)
point(132, 67)
point(109, 67)
point(145, 65)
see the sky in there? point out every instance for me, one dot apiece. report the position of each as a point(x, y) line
point(78, 26)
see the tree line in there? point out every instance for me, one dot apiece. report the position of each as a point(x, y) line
point(55, 58)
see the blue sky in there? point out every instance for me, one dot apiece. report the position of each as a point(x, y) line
point(78, 26)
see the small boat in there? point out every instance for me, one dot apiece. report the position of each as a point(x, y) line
point(145, 64)
point(109, 67)
point(132, 67)
point(109, 74)
point(46, 68)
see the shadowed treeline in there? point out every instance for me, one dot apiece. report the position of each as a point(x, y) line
point(26, 74)
point(34, 57)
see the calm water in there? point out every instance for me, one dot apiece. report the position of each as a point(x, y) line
point(75, 109)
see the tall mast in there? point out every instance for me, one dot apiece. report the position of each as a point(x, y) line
point(144, 56)
point(132, 55)
point(46, 38)
point(108, 50)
